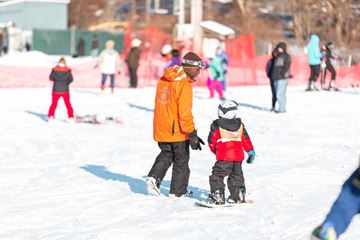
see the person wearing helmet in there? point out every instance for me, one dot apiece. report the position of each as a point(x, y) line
point(228, 139)
point(345, 207)
point(174, 127)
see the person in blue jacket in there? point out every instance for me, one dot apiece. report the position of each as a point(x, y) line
point(346, 206)
point(314, 60)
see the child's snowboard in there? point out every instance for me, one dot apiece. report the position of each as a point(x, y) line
point(209, 205)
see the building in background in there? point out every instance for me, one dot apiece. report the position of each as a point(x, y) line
point(35, 14)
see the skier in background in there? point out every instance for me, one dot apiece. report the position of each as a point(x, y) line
point(132, 61)
point(327, 49)
point(280, 74)
point(346, 206)
point(224, 65)
point(95, 46)
point(174, 60)
point(228, 139)
point(314, 60)
point(62, 77)
point(174, 127)
point(109, 64)
point(216, 76)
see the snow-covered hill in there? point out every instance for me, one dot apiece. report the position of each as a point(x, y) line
point(81, 181)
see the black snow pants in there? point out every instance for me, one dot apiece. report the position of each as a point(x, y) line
point(314, 72)
point(331, 69)
point(235, 180)
point(133, 77)
point(178, 154)
point(273, 94)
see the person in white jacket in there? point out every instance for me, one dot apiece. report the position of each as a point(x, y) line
point(109, 64)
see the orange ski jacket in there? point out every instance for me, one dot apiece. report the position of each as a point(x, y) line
point(173, 119)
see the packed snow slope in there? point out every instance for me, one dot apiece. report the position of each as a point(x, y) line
point(70, 181)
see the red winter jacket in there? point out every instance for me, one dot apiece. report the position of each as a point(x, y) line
point(228, 139)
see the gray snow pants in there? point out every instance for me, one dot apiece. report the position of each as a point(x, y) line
point(235, 180)
point(178, 154)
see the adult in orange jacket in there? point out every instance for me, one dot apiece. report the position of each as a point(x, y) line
point(174, 127)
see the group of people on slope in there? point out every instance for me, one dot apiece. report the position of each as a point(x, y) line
point(175, 132)
point(278, 70)
point(109, 61)
point(320, 59)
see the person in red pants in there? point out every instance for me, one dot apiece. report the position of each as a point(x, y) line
point(62, 77)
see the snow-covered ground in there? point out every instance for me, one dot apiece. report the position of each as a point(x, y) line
point(80, 181)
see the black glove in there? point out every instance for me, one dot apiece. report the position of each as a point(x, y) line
point(195, 141)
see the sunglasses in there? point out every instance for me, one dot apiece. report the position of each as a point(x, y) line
point(192, 63)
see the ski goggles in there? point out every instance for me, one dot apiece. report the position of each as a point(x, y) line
point(192, 63)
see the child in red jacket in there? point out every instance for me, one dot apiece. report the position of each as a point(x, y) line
point(228, 139)
point(62, 77)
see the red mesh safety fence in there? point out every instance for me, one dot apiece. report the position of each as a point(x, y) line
point(245, 67)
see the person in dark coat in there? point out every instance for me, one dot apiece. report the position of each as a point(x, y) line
point(95, 46)
point(81, 47)
point(132, 61)
point(269, 66)
point(62, 77)
point(280, 74)
point(2, 33)
point(228, 139)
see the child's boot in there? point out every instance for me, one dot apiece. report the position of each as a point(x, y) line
point(237, 195)
point(217, 197)
point(242, 194)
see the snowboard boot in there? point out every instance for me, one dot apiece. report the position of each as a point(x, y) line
point(242, 194)
point(217, 197)
point(238, 196)
point(153, 186)
point(323, 233)
point(187, 194)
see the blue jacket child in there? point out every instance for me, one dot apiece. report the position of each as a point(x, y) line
point(346, 206)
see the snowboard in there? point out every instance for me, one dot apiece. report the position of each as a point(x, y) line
point(208, 205)
point(95, 119)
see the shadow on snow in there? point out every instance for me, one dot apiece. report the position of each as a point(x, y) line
point(138, 185)
point(39, 115)
point(141, 107)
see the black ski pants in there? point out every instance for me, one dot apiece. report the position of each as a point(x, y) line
point(177, 154)
point(331, 69)
point(133, 77)
point(314, 72)
point(235, 180)
point(273, 94)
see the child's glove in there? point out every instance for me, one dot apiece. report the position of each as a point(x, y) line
point(195, 141)
point(324, 232)
point(251, 156)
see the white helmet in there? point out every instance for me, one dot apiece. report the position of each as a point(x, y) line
point(166, 49)
point(228, 109)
